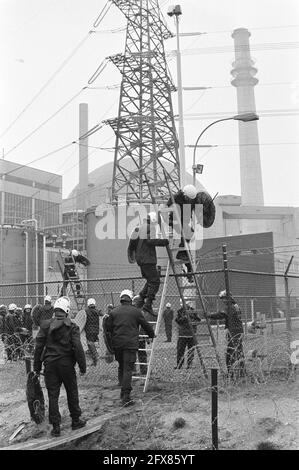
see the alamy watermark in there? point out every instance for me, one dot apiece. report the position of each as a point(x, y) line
point(118, 222)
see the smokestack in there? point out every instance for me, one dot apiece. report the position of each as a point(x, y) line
point(83, 157)
point(244, 80)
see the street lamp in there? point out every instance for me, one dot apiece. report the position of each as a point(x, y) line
point(175, 10)
point(245, 117)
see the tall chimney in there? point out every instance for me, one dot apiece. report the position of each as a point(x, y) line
point(244, 80)
point(83, 157)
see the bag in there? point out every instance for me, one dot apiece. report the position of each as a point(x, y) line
point(107, 336)
point(35, 398)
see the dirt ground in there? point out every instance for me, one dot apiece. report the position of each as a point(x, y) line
point(170, 416)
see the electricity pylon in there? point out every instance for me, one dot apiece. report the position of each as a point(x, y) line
point(146, 139)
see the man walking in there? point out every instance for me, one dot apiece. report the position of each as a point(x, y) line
point(92, 328)
point(58, 346)
point(142, 249)
point(168, 318)
point(123, 324)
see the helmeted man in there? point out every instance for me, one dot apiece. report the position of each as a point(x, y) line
point(123, 324)
point(186, 200)
point(42, 312)
point(92, 328)
point(27, 318)
point(186, 332)
point(142, 249)
point(10, 339)
point(70, 272)
point(3, 313)
point(58, 346)
point(168, 318)
point(233, 324)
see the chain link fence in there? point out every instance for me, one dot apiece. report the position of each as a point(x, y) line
point(266, 347)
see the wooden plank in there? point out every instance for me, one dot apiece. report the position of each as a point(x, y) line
point(49, 442)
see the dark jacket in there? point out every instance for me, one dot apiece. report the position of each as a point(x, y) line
point(168, 315)
point(27, 321)
point(18, 321)
point(41, 313)
point(142, 245)
point(203, 198)
point(233, 322)
point(58, 339)
point(92, 325)
point(182, 321)
point(9, 324)
point(2, 324)
point(123, 323)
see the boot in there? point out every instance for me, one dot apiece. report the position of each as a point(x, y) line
point(78, 423)
point(56, 430)
point(127, 401)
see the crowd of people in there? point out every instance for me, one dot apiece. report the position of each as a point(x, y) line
point(59, 342)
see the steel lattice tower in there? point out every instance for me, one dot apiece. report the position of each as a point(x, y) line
point(146, 140)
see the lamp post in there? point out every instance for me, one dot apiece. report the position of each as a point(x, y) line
point(175, 10)
point(246, 117)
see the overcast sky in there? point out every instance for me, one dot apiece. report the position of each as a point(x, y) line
point(41, 37)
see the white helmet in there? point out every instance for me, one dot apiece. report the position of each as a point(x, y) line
point(48, 298)
point(75, 253)
point(126, 293)
point(91, 302)
point(222, 294)
point(152, 217)
point(12, 307)
point(27, 306)
point(62, 303)
point(168, 304)
point(190, 191)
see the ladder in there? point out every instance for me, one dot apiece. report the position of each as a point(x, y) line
point(73, 281)
point(149, 348)
point(180, 285)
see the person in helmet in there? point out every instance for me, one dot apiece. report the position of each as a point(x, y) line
point(59, 348)
point(27, 318)
point(42, 312)
point(187, 322)
point(168, 318)
point(123, 325)
point(70, 272)
point(92, 328)
point(187, 200)
point(231, 314)
point(3, 313)
point(142, 249)
point(10, 329)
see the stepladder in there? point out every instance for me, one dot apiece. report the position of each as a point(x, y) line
point(189, 285)
point(72, 284)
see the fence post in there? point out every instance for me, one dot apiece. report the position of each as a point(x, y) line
point(245, 313)
point(271, 316)
point(214, 380)
point(226, 277)
point(287, 296)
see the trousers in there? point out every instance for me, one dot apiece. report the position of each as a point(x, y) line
point(151, 287)
point(126, 359)
point(182, 344)
point(60, 372)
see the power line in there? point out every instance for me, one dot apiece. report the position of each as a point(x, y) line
point(62, 65)
point(231, 48)
point(44, 122)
